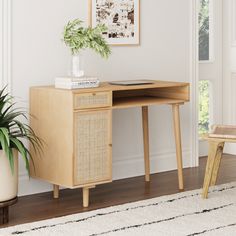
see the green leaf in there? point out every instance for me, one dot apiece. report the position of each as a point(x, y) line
point(7, 150)
point(78, 38)
point(12, 131)
point(11, 160)
point(22, 150)
point(6, 134)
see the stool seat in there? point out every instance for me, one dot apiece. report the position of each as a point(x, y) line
point(216, 140)
point(219, 139)
point(223, 131)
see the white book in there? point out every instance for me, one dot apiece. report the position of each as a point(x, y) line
point(85, 82)
point(77, 85)
point(75, 79)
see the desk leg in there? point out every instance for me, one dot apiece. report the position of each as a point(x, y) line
point(55, 191)
point(176, 118)
point(146, 142)
point(86, 195)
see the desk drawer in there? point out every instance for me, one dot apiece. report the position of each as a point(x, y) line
point(92, 100)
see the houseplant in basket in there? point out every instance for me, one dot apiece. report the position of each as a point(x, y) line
point(78, 38)
point(12, 135)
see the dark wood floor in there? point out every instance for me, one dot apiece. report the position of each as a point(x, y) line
point(43, 206)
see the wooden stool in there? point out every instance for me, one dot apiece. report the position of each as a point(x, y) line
point(4, 210)
point(216, 141)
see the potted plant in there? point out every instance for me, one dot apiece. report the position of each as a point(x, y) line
point(78, 38)
point(12, 135)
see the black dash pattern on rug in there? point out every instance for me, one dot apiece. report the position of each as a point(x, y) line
point(161, 221)
point(214, 229)
point(117, 211)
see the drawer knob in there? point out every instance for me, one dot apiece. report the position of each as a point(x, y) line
point(94, 94)
point(110, 145)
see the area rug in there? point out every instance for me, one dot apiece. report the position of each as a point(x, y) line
point(179, 214)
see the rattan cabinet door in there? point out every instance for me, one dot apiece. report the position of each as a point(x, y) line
point(93, 148)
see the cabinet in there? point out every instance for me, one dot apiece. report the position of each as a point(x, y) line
point(76, 130)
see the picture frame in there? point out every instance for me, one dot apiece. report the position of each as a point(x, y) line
point(122, 18)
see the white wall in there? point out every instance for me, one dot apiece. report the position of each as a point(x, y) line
point(5, 43)
point(38, 55)
point(229, 67)
point(212, 70)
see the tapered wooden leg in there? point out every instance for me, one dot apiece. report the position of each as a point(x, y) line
point(213, 148)
point(146, 142)
point(217, 163)
point(86, 195)
point(55, 191)
point(176, 118)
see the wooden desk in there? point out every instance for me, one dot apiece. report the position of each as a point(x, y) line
point(76, 126)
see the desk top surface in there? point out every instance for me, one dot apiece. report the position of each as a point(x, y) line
point(106, 86)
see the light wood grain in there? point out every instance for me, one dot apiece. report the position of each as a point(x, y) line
point(86, 195)
point(214, 147)
point(52, 120)
point(217, 163)
point(178, 144)
point(175, 92)
point(206, 137)
point(106, 86)
point(143, 101)
point(146, 143)
point(55, 191)
point(223, 131)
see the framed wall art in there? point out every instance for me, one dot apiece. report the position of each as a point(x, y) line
point(122, 18)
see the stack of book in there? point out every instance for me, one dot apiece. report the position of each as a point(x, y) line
point(76, 82)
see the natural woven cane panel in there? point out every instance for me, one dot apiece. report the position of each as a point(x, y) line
point(93, 157)
point(92, 100)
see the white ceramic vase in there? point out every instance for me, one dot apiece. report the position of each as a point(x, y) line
point(77, 65)
point(8, 180)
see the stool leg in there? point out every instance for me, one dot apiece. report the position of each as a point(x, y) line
point(217, 163)
point(146, 143)
point(213, 148)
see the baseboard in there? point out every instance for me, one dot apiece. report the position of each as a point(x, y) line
point(125, 167)
point(159, 162)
